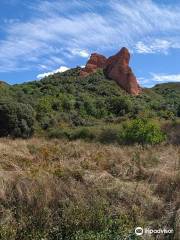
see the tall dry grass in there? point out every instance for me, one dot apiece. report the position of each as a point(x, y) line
point(57, 187)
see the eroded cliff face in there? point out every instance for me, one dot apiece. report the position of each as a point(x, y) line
point(96, 61)
point(116, 68)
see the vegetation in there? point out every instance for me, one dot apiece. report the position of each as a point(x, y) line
point(101, 162)
point(16, 119)
point(142, 131)
point(66, 101)
point(76, 190)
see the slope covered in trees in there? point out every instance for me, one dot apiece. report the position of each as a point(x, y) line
point(67, 101)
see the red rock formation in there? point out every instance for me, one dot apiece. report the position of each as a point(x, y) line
point(117, 68)
point(96, 61)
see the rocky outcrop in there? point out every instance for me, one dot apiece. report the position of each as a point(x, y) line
point(117, 68)
point(96, 61)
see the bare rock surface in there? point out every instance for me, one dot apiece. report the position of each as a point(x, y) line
point(96, 61)
point(116, 68)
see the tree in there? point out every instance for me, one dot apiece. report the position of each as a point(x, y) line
point(16, 119)
point(120, 105)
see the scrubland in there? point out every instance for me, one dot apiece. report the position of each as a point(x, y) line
point(58, 189)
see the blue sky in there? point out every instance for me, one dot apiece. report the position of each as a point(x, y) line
point(43, 36)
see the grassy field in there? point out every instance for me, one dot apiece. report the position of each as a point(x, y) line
point(60, 189)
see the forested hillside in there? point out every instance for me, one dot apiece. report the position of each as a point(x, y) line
point(67, 105)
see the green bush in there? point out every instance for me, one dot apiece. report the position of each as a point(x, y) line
point(142, 131)
point(16, 119)
point(44, 105)
point(83, 133)
point(59, 134)
point(90, 106)
point(67, 103)
point(119, 105)
point(47, 121)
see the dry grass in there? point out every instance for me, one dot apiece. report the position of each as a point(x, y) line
point(38, 175)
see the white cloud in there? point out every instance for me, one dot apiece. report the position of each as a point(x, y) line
point(154, 46)
point(155, 78)
point(78, 52)
point(142, 48)
point(59, 29)
point(61, 69)
point(165, 78)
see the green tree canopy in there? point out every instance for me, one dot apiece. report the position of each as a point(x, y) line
point(16, 119)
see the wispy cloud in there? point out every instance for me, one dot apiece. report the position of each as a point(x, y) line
point(157, 46)
point(156, 78)
point(78, 52)
point(59, 30)
point(61, 69)
point(165, 78)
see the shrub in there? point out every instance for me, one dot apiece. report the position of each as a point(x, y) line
point(67, 103)
point(119, 105)
point(142, 131)
point(44, 105)
point(72, 134)
point(59, 134)
point(16, 119)
point(83, 133)
point(172, 131)
point(56, 105)
point(47, 121)
point(90, 106)
point(109, 136)
point(77, 120)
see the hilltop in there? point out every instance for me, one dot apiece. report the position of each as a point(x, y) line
point(116, 68)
